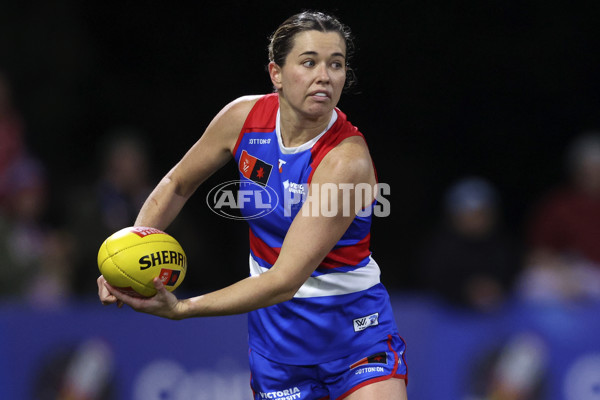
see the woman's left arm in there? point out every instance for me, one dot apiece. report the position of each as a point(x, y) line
point(309, 239)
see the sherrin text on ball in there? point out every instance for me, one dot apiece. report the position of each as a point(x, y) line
point(132, 257)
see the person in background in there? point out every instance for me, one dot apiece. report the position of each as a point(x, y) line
point(35, 256)
point(470, 261)
point(111, 201)
point(11, 137)
point(563, 261)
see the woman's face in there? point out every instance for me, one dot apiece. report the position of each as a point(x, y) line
point(314, 74)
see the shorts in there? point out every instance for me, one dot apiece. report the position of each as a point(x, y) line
point(332, 380)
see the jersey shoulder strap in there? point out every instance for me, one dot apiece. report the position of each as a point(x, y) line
point(262, 117)
point(341, 130)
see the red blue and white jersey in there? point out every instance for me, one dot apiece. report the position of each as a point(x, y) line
point(342, 307)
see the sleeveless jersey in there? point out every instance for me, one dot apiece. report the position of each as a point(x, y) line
point(342, 307)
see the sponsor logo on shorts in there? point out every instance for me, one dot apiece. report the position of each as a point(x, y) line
point(378, 358)
point(360, 324)
point(287, 394)
point(367, 370)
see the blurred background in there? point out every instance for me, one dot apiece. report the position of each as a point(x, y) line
point(483, 117)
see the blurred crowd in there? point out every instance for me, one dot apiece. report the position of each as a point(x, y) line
point(470, 260)
point(35, 262)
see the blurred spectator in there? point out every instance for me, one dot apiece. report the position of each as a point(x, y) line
point(51, 285)
point(564, 232)
point(470, 261)
point(11, 136)
point(125, 182)
point(516, 370)
point(111, 202)
point(31, 267)
point(34, 257)
point(21, 234)
point(83, 371)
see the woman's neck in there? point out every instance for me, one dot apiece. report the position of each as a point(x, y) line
point(297, 129)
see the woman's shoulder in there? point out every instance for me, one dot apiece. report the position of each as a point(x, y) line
point(231, 118)
point(349, 160)
point(241, 107)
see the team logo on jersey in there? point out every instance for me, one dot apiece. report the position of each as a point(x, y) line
point(254, 168)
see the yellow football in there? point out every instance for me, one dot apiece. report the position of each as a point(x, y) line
point(132, 257)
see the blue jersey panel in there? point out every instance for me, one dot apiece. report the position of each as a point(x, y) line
point(299, 331)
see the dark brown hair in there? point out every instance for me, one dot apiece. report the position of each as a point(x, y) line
point(282, 40)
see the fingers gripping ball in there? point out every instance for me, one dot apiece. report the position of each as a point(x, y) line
point(132, 257)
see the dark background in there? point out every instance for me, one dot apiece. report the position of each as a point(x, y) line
point(446, 89)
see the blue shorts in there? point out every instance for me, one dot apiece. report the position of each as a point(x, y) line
point(332, 380)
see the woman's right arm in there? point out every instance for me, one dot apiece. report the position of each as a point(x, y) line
point(206, 156)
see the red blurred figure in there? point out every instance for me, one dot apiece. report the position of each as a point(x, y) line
point(11, 136)
point(564, 234)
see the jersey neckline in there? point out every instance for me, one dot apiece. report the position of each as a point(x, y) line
point(303, 146)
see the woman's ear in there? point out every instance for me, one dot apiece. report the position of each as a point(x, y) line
point(275, 74)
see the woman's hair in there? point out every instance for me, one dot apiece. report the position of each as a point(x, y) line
point(282, 40)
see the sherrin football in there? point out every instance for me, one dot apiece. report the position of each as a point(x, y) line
point(132, 257)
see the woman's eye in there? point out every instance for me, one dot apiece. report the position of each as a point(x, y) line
point(309, 63)
point(337, 65)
